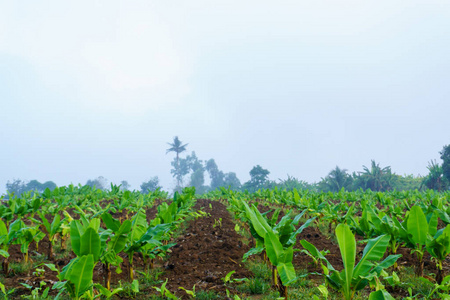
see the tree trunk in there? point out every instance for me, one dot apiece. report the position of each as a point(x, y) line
point(50, 251)
point(107, 269)
point(283, 290)
point(440, 274)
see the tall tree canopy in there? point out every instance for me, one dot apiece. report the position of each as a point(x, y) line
point(336, 180)
point(177, 147)
point(445, 156)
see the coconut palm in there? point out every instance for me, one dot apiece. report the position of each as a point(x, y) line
point(435, 179)
point(336, 180)
point(177, 147)
point(377, 178)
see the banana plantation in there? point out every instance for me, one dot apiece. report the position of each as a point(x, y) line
point(78, 242)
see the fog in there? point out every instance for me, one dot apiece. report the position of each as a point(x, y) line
point(98, 88)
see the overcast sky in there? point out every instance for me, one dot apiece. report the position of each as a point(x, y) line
point(98, 88)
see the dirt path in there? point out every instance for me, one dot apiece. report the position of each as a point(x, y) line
point(206, 252)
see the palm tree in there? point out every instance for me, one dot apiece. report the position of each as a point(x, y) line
point(337, 179)
point(177, 147)
point(377, 178)
point(435, 179)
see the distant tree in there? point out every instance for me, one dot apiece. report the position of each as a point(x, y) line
point(217, 176)
point(336, 180)
point(435, 179)
point(445, 156)
point(17, 187)
point(100, 183)
point(177, 147)
point(259, 178)
point(20, 186)
point(179, 170)
point(125, 186)
point(231, 181)
point(407, 182)
point(197, 170)
point(151, 185)
point(35, 185)
point(375, 178)
point(292, 183)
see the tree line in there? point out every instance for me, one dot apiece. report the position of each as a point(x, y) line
point(192, 171)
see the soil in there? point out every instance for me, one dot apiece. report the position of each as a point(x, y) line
point(206, 252)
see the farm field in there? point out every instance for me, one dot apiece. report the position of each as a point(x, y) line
point(82, 243)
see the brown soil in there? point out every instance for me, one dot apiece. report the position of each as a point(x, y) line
point(206, 252)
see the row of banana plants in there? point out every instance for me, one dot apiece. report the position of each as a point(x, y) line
point(277, 241)
point(83, 217)
point(380, 213)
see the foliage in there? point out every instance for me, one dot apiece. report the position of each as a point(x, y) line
point(177, 147)
point(150, 185)
point(259, 177)
point(445, 156)
point(375, 178)
point(18, 186)
point(435, 179)
point(355, 277)
point(100, 183)
point(336, 180)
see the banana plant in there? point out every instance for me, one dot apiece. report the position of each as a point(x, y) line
point(7, 236)
point(419, 231)
point(354, 278)
point(277, 242)
point(110, 254)
point(86, 244)
point(281, 259)
point(311, 250)
point(140, 235)
point(52, 229)
point(25, 236)
point(439, 249)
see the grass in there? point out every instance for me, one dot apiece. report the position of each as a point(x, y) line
point(151, 278)
point(20, 267)
point(207, 295)
point(259, 269)
point(254, 286)
point(418, 286)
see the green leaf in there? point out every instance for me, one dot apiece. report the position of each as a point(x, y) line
point(110, 222)
point(432, 224)
point(347, 246)
point(274, 248)
point(373, 251)
point(76, 231)
point(381, 295)
point(4, 253)
point(90, 243)
point(417, 225)
point(286, 272)
point(253, 251)
point(81, 274)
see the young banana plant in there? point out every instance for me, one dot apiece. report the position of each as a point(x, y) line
point(353, 278)
point(439, 248)
point(86, 244)
point(118, 238)
point(419, 231)
point(52, 229)
point(278, 243)
point(140, 235)
point(25, 236)
point(7, 236)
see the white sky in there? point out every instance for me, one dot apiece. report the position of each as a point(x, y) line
point(92, 88)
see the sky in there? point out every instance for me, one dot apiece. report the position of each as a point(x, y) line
point(98, 88)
